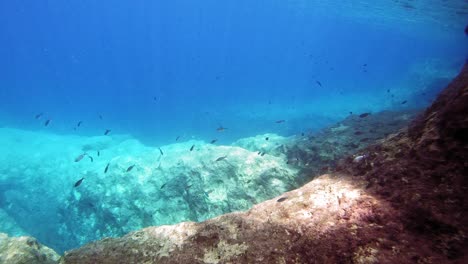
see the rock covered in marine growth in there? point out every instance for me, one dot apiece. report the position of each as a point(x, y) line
point(25, 250)
point(404, 203)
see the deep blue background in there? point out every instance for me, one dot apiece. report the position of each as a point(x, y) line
point(74, 60)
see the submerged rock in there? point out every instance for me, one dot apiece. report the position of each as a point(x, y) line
point(404, 203)
point(25, 250)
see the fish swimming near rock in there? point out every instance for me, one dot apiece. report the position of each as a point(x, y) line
point(357, 133)
point(162, 186)
point(107, 167)
point(39, 115)
point(160, 151)
point(221, 128)
point(221, 158)
point(46, 123)
point(98, 153)
point(191, 148)
point(280, 121)
point(364, 115)
point(267, 138)
point(78, 183)
point(263, 154)
point(213, 141)
point(282, 199)
point(130, 168)
point(91, 158)
point(107, 132)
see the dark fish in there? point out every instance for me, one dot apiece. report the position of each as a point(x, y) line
point(177, 138)
point(282, 199)
point(364, 140)
point(98, 153)
point(162, 186)
point(267, 138)
point(388, 90)
point(357, 133)
point(262, 154)
point(79, 124)
point(191, 148)
point(319, 83)
point(221, 128)
point(280, 121)
point(47, 122)
point(107, 168)
point(404, 102)
point(130, 168)
point(160, 151)
point(221, 158)
point(350, 113)
point(80, 157)
point(364, 65)
point(78, 183)
point(213, 141)
point(259, 153)
point(91, 158)
point(364, 115)
point(100, 117)
point(39, 115)
point(107, 132)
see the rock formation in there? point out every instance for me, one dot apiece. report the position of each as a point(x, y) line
point(403, 201)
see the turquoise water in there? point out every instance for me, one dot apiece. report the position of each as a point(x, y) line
point(154, 71)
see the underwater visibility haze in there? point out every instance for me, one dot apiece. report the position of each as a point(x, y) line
point(118, 115)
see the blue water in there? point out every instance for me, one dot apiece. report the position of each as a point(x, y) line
point(156, 70)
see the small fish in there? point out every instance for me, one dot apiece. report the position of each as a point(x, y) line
point(191, 148)
point(91, 158)
point(388, 90)
point(47, 122)
point(107, 167)
point(267, 138)
point(98, 153)
point(177, 138)
point(221, 128)
point(319, 83)
point(350, 112)
point(130, 168)
point(364, 140)
point(160, 151)
point(100, 117)
point(162, 186)
point(404, 102)
point(280, 121)
point(78, 183)
point(221, 158)
point(107, 132)
point(357, 133)
point(364, 115)
point(282, 199)
point(364, 65)
point(359, 158)
point(80, 157)
point(302, 134)
point(39, 115)
point(259, 153)
point(79, 124)
point(263, 154)
point(213, 141)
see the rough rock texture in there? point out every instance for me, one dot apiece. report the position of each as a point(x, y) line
point(25, 250)
point(404, 201)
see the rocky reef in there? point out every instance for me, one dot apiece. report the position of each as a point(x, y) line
point(25, 250)
point(402, 201)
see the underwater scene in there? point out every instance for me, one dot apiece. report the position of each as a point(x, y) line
point(120, 115)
